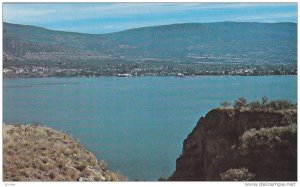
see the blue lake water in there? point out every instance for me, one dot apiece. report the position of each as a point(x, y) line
point(136, 125)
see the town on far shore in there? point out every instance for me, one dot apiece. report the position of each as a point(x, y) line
point(11, 70)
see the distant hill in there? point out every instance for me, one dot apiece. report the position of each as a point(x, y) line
point(245, 42)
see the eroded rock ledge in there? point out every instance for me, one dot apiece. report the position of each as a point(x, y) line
point(264, 142)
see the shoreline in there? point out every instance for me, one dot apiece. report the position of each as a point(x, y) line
point(167, 76)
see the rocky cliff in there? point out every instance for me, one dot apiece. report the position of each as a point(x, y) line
point(263, 143)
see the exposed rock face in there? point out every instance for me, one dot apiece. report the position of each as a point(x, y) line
point(221, 141)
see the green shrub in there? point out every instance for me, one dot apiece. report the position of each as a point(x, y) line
point(264, 101)
point(268, 137)
point(255, 105)
point(237, 175)
point(281, 105)
point(271, 152)
point(225, 104)
point(264, 104)
point(81, 166)
point(240, 103)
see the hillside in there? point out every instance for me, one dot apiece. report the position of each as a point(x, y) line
point(32, 153)
point(246, 144)
point(242, 42)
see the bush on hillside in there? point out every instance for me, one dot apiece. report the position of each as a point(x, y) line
point(264, 104)
point(240, 103)
point(225, 104)
point(237, 175)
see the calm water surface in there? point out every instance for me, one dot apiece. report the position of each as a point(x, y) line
point(136, 125)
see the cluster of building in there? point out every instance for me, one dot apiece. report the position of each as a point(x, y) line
point(147, 69)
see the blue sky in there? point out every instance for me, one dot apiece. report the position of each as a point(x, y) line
point(113, 17)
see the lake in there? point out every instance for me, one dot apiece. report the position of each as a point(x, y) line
point(136, 125)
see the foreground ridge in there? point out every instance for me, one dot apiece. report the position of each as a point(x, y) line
point(32, 153)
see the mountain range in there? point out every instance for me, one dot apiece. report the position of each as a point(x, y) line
point(243, 42)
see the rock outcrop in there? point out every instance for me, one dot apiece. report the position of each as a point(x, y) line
point(263, 142)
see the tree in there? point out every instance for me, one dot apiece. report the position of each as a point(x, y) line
point(225, 104)
point(281, 104)
point(240, 103)
point(264, 101)
point(255, 105)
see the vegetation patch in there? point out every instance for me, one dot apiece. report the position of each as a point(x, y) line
point(34, 153)
point(263, 105)
point(237, 175)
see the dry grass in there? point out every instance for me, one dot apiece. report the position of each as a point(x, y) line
point(42, 154)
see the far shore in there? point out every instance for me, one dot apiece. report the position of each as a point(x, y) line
point(187, 76)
